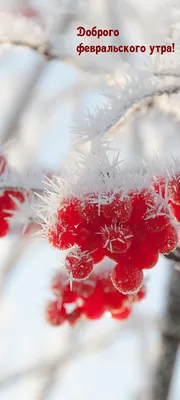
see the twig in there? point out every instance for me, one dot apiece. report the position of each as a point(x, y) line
point(170, 341)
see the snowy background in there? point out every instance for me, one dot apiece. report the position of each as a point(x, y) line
point(97, 360)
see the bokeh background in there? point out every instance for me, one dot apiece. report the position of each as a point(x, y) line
point(39, 100)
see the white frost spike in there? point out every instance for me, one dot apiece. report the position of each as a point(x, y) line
point(158, 208)
point(24, 213)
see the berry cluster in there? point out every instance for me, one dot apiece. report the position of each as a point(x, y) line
point(90, 298)
point(130, 228)
point(7, 204)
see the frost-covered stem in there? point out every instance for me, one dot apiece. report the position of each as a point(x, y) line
point(170, 340)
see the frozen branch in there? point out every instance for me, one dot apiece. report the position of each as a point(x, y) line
point(170, 340)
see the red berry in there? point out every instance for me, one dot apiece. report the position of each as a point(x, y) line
point(55, 313)
point(7, 203)
point(141, 202)
point(94, 305)
point(15, 193)
point(142, 256)
point(165, 241)
point(61, 289)
point(117, 208)
point(116, 238)
point(4, 227)
point(174, 189)
point(175, 209)
point(141, 294)
point(61, 236)
point(58, 283)
point(98, 255)
point(114, 300)
point(126, 279)
point(87, 238)
point(157, 221)
point(84, 288)
point(69, 296)
point(74, 316)
point(68, 212)
point(79, 264)
point(90, 210)
point(124, 314)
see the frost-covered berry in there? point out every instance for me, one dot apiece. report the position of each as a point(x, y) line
point(116, 238)
point(141, 202)
point(157, 221)
point(90, 208)
point(79, 264)
point(55, 313)
point(126, 279)
point(117, 208)
point(143, 255)
point(68, 212)
point(61, 237)
point(165, 241)
point(174, 189)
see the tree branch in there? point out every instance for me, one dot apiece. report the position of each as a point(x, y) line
point(170, 340)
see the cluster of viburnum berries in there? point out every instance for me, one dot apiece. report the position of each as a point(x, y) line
point(131, 229)
point(131, 225)
point(91, 298)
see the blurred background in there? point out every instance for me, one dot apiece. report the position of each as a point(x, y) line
point(44, 87)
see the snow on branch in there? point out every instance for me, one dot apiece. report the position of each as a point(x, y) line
point(120, 100)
